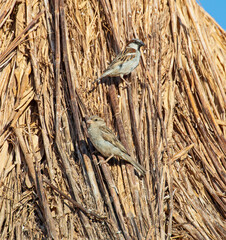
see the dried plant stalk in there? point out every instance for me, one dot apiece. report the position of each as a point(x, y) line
point(171, 119)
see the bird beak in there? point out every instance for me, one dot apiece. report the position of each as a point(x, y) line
point(89, 121)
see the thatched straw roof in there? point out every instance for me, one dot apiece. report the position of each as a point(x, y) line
point(171, 119)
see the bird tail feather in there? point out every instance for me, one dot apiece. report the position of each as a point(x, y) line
point(138, 167)
point(96, 80)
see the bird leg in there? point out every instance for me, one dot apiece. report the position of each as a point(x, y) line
point(128, 83)
point(105, 161)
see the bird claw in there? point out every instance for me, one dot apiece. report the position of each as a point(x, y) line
point(105, 161)
point(128, 83)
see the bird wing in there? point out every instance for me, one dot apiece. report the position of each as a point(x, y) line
point(122, 57)
point(109, 136)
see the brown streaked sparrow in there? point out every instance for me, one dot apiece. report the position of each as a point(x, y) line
point(104, 140)
point(125, 62)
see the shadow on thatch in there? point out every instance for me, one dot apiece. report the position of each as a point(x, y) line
point(171, 119)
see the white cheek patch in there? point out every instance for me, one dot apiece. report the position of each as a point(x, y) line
point(133, 45)
point(130, 54)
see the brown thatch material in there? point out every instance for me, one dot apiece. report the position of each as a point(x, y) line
point(171, 118)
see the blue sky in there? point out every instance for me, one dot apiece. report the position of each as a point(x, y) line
point(217, 9)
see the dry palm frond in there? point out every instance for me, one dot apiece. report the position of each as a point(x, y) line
point(171, 119)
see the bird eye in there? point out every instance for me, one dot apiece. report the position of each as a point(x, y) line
point(95, 119)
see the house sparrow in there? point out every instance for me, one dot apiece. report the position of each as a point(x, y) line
point(125, 62)
point(104, 140)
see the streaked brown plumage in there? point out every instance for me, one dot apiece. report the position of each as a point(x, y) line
point(125, 62)
point(104, 140)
